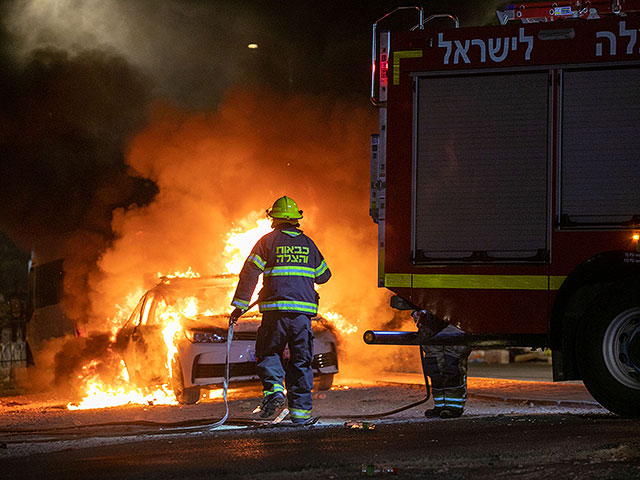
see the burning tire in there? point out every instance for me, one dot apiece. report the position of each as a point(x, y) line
point(608, 348)
point(184, 395)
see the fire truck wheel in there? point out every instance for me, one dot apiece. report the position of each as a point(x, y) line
point(184, 395)
point(608, 349)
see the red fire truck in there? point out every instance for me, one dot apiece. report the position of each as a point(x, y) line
point(505, 182)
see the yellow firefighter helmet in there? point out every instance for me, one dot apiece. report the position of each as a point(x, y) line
point(285, 208)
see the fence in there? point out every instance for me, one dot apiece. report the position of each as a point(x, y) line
point(13, 356)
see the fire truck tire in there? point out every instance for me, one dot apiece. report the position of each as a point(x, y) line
point(184, 395)
point(608, 349)
point(323, 381)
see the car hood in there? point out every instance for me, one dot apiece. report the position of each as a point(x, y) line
point(249, 323)
point(203, 323)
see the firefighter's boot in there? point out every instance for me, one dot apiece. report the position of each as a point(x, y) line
point(451, 413)
point(299, 421)
point(271, 403)
point(433, 413)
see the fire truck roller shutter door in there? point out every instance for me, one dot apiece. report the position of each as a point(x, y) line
point(470, 199)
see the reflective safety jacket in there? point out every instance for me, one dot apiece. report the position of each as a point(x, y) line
point(291, 264)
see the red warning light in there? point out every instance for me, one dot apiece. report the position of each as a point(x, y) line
point(384, 68)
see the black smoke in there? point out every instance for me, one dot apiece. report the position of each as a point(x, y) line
point(66, 121)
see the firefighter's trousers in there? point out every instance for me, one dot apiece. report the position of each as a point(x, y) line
point(279, 329)
point(447, 368)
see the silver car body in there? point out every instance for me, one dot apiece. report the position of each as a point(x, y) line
point(201, 342)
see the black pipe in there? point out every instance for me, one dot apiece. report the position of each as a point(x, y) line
point(476, 340)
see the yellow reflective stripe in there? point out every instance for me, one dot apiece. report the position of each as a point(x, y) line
point(289, 305)
point(499, 282)
point(274, 389)
point(321, 268)
point(300, 413)
point(257, 260)
point(292, 270)
point(238, 302)
point(492, 282)
point(556, 281)
point(397, 280)
point(397, 56)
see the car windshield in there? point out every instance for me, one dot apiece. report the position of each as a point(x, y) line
point(204, 299)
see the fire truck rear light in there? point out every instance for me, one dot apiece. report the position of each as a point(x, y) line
point(636, 236)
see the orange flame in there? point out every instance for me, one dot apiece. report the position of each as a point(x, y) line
point(340, 323)
point(242, 238)
point(178, 274)
point(240, 241)
point(118, 392)
point(171, 318)
point(123, 312)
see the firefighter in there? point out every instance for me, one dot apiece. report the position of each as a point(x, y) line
point(446, 365)
point(290, 263)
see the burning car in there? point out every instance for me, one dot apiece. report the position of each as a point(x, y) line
point(179, 329)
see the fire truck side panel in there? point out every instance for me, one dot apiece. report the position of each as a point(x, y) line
point(494, 178)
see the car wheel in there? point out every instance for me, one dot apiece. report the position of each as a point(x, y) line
point(608, 348)
point(184, 395)
point(324, 381)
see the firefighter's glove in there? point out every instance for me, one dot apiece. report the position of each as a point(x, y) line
point(419, 316)
point(427, 323)
point(236, 314)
